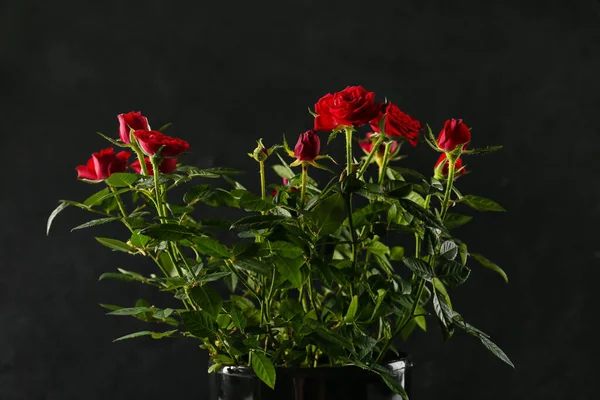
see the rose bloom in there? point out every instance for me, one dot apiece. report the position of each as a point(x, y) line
point(152, 141)
point(457, 165)
point(132, 120)
point(103, 164)
point(353, 106)
point(398, 123)
point(453, 134)
point(308, 146)
point(367, 145)
point(166, 166)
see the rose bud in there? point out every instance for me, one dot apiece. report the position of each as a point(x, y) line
point(167, 166)
point(453, 134)
point(152, 141)
point(353, 106)
point(132, 120)
point(103, 164)
point(308, 146)
point(398, 123)
point(441, 167)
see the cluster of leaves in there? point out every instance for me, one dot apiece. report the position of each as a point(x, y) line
point(311, 283)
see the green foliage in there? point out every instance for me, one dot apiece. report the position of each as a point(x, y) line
point(315, 275)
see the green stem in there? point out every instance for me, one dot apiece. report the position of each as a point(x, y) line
point(140, 155)
point(262, 180)
point(304, 179)
point(349, 160)
point(449, 184)
point(369, 158)
point(121, 207)
point(384, 163)
point(354, 238)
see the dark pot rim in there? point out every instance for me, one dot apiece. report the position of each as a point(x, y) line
point(243, 371)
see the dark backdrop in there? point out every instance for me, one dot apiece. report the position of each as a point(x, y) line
point(522, 73)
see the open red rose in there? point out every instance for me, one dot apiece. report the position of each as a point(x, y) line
point(166, 166)
point(398, 123)
point(457, 165)
point(453, 134)
point(152, 141)
point(353, 106)
point(103, 164)
point(308, 146)
point(132, 120)
point(367, 145)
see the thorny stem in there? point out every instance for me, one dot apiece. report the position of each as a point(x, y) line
point(369, 158)
point(304, 179)
point(262, 180)
point(449, 184)
point(384, 163)
point(349, 160)
point(121, 207)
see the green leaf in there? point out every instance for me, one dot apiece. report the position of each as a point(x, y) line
point(252, 265)
point(223, 171)
point(455, 220)
point(238, 319)
point(263, 368)
point(394, 384)
point(419, 267)
point(198, 323)
point(449, 250)
point(53, 215)
point(481, 203)
point(122, 277)
point(442, 310)
point(139, 240)
point(497, 351)
point(284, 171)
point(134, 335)
point(423, 214)
point(488, 264)
point(329, 214)
point(290, 269)
point(95, 222)
point(207, 299)
point(483, 150)
point(130, 311)
point(367, 214)
point(116, 245)
point(122, 179)
point(258, 222)
point(169, 232)
point(452, 273)
point(284, 249)
point(97, 197)
point(397, 253)
point(250, 202)
point(352, 309)
point(215, 276)
point(211, 247)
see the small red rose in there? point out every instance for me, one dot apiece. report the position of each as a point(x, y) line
point(453, 134)
point(367, 145)
point(458, 166)
point(152, 141)
point(398, 123)
point(308, 146)
point(103, 164)
point(353, 106)
point(132, 120)
point(167, 166)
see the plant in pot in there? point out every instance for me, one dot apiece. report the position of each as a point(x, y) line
point(305, 296)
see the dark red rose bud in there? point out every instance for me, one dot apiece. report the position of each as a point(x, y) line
point(308, 146)
point(103, 164)
point(398, 123)
point(444, 168)
point(367, 145)
point(167, 166)
point(453, 134)
point(353, 106)
point(152, 141)
point(133, 120)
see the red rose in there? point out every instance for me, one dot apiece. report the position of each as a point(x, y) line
point(453, 134)
point(133, 120)
point(367, 145)
point(398, 123)
point(152, 141)
point(308, 146)
point(167, 166)
point(353, 106)
point(457, 165)
point(103, 164)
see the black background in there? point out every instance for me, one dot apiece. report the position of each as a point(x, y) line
point(522, 73)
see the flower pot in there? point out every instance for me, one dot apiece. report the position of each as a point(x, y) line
point(322, 383)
